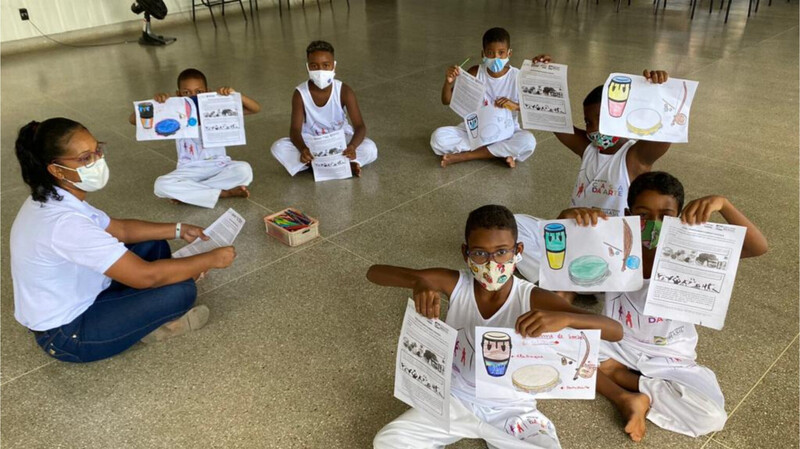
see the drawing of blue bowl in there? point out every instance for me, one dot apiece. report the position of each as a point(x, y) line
point(167, 127)
point(633, 262)
point(496, 368)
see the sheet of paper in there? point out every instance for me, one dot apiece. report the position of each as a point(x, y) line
point(176, 118)
point(221, 119)
point(489, 125)
point(221, 233)
point(328, 162)
point(693, 272)
point(468, 94)
point(635, 108)
point(557, 365)
point(424, 365)
point(544, 97)
point(602, 258)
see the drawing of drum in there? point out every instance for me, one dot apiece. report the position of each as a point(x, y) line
point(555, 244)
point(619, 89)
point(496, 353)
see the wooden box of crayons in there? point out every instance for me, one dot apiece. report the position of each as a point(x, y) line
point(292, 227)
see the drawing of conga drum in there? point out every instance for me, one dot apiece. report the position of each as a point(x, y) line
point(472, 125)
point(618, 91)
point(496, 348)
point(146, 115)
point(555, 244)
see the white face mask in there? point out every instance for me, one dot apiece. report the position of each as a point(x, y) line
point(322, 78)
point(93, 178)
point(493, 275)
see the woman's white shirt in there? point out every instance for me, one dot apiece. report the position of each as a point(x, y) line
point(59, 252)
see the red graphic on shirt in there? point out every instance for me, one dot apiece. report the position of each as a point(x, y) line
point(580, 190)
point(628, 320)
point(463, 356)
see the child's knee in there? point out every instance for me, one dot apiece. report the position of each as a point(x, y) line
point(280, 146)
point(161, 186)
point(244, 172)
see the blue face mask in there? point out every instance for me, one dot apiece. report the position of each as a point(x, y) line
point(494, 64)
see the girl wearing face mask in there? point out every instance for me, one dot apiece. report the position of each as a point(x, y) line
point(87, 285)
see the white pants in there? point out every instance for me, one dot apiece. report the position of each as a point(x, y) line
point(529, 234)
point(454, 139)
point(200, 183)
point(518, 427)
point(684, 397)
point(289, 156)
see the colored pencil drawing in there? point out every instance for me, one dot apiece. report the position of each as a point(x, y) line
point(555, 244)
point(619, 90)
point(643, 121)
point(496, 347)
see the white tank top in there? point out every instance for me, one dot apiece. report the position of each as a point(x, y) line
point(463, 315)
point(326, 119)
point(603, 181)
point(505, 86)
point(192, 150)
point(653, 336)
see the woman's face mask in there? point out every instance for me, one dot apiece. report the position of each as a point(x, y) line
point(93, 176)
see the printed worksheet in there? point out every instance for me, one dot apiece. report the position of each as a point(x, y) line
point(556, 365)
point(221, 119)
point(221, 233)
point(694, 271)
point(635, 108)
point(468, 94)
point(176, 118)
point(329, 162)
point(602, 258)
point(424, 365)
point(488, 125)
point(544, 97)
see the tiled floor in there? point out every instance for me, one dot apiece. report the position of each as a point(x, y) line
point(299, 348)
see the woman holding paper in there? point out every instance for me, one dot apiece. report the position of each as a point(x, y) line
point(90, 286)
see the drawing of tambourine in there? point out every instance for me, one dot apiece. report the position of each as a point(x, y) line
point(146, 115)
point(167, 127)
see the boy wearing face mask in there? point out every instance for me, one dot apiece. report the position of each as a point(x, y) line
point(203, 174)
point(500, 79)
point(608, 163)
point(652, 373)
point(322, 105)
point(484, 293)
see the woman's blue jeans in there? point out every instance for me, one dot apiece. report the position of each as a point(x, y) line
point(120, 316)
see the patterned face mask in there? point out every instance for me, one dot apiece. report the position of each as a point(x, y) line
point(651, 229)
point(492, 275)
point(602, 141)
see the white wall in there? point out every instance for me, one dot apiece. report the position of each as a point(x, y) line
point(59, 16)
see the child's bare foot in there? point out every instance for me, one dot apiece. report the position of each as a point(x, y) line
point(511, 162)
point(634, 408)
point(240, 191)
point(450, 159)
point(356, 168)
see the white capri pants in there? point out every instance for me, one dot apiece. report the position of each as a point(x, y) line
point(684, 397)
point(200, 183)
point(454, 139)
point(289, 156)
point(516, 427)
